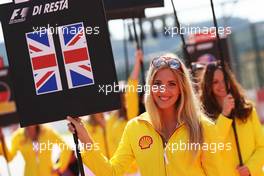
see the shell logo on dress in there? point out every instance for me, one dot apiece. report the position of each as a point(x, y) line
point(145, 142)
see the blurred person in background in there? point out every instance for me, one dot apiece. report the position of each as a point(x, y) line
point(1, 137)
point(197, 73)
point(224, 108)
point(198, 67)
point(72, 169)
point(2, 145)
point(107, 130)
point(35, 144)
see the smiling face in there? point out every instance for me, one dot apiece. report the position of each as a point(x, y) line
point(167, 96)
point(218, 84)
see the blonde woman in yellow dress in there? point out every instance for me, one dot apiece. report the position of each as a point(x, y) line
point(172, 116)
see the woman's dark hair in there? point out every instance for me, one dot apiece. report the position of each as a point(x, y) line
point(212, 108)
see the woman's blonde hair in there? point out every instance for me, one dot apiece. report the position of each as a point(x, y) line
point(188, 107)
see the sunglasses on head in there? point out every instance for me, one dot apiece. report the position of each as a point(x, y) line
point(173, 63)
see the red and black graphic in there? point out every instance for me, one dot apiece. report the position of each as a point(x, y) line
point(8, 110)
point(4, 92)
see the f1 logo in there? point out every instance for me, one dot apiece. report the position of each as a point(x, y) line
point(19, 15)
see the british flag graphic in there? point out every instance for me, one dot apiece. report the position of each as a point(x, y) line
point(76, 55)
point(44, 62)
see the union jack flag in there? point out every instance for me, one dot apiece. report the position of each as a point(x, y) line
point(76, 55)
point(44, 62)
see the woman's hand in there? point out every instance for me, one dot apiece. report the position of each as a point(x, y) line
point(243, 171)
point(136, 70)
point(228, 105)
point(139, 56)
point(82, 134)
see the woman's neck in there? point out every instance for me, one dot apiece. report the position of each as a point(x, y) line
point(169, 121)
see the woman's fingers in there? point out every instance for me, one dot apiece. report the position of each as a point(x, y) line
point(74, 124)
point(73, 121)
point(230, 99)
point(71, 128)
point(229, 96)
point(78, 120)
point(229, 104)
